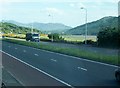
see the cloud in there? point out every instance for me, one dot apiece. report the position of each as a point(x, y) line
point(77, 5)
point(112, 1)
point(3, 6)
point(54, 11)
point(72, 5)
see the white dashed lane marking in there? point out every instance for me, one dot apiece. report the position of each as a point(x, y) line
point(53, 60)
point(79, 68)
point(24, 51)
point(36, 54)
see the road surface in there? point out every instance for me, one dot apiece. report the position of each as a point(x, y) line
point(8, 79)
point(25, 63)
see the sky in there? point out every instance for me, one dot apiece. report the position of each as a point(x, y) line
point(68, 12)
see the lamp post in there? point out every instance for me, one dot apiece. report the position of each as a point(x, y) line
point(32, 28)
point(86, 29)
point(51, 34)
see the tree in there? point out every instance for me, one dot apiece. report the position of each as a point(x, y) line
point(55, 36)
point(109, 37)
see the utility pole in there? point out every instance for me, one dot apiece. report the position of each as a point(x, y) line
point(86, 28)
point(32, 28)
point(52, 27)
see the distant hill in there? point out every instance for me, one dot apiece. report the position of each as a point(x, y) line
point(96, 26)
point(44, 27)
point(12, 28)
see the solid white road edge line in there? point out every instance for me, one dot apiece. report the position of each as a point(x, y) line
point(39, 70)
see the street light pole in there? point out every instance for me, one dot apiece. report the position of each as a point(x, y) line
point(86, 28)
point(32, 28)
point(51, 34)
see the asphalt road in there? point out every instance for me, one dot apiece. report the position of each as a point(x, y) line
point(8, 79)
point(26, 75)
point(67, 70)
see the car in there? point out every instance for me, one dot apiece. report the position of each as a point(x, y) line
point(117, 74)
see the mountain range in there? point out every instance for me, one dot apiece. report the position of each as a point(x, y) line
point(95, 26)
point(44, 27)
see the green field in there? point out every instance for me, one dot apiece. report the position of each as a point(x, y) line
point(78, 38)
point(75, 38)
point(69, 38)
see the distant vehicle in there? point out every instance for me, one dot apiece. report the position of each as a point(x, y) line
point(35, 37)
point(117, 74)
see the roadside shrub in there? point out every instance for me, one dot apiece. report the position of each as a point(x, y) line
point(109, 37)
point(47, 40)
point(55, 37)
point(90, 42)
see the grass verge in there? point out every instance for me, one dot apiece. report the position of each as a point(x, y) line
point(70, 51)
